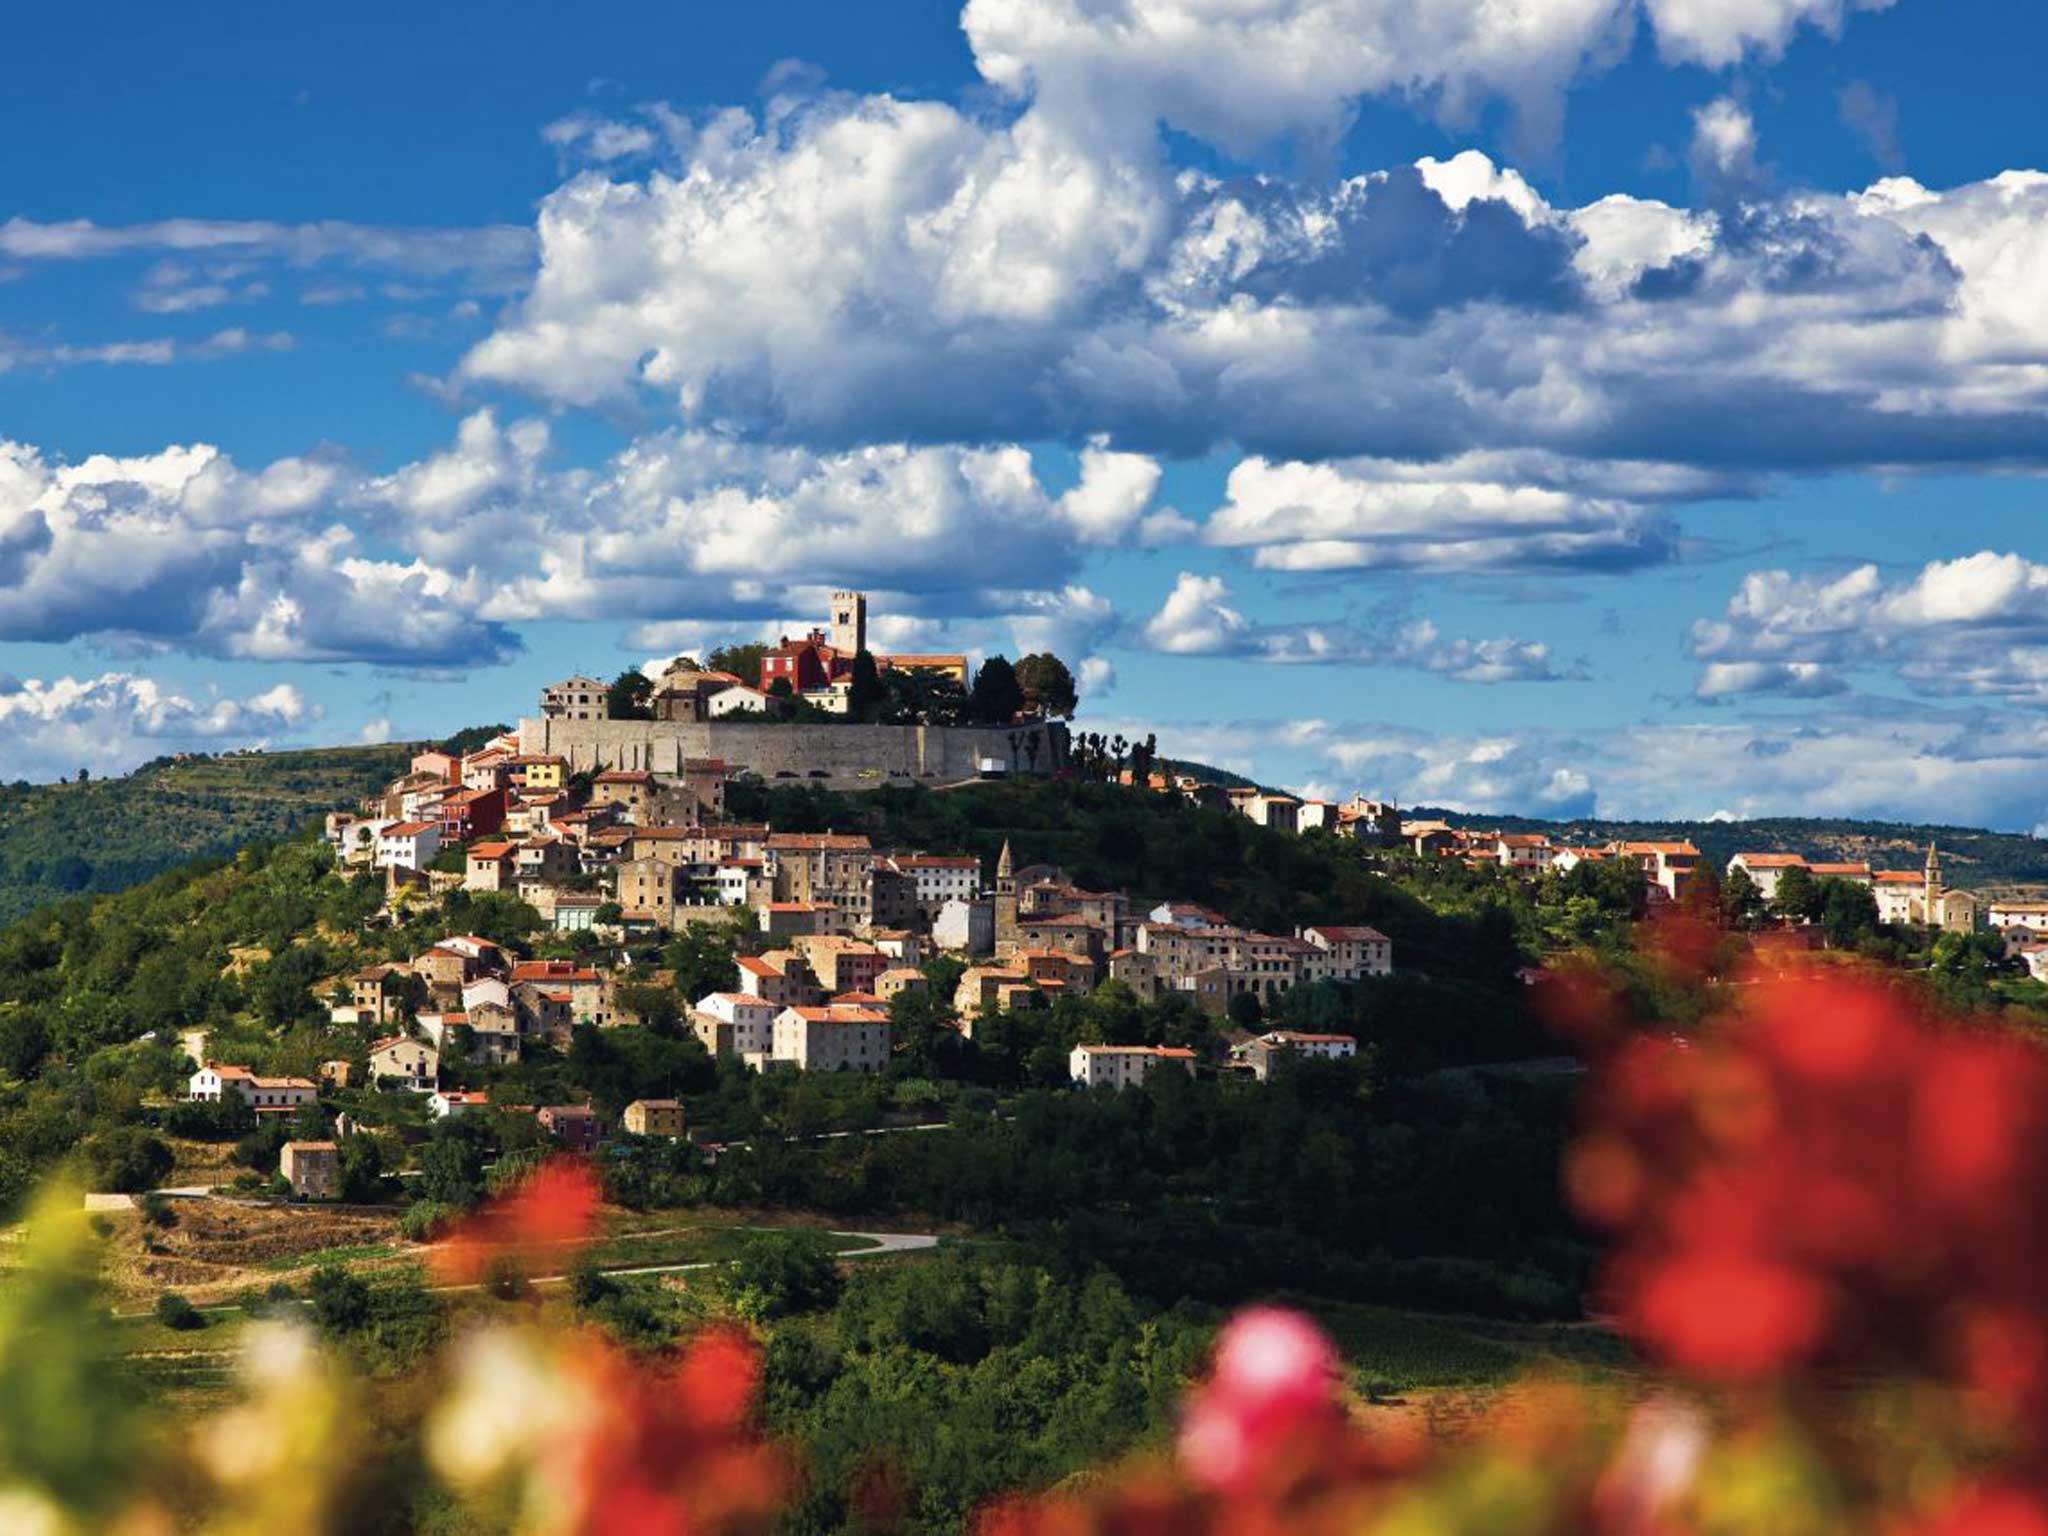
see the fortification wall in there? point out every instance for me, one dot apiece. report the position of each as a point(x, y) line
point(849, 755)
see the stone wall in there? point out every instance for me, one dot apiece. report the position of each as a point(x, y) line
point(851, 756)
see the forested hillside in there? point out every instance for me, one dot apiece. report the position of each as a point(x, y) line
point(69, 839)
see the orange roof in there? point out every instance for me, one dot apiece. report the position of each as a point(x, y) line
point(818, 842)
point(409, 829)
point(1771, 860)
point(490, 850)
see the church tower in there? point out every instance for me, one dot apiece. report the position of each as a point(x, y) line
point(849, 623)
point(1933, 890)
point(1006, 896)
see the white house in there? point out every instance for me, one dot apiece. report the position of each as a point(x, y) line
point(212, 1083)
point(1316, 816)
point(408, 845)
point(1260, 1054)
point(412, 1063)
point(966, 926)
point(1522, 850)
point(838, 1037)
point(455, 1101)
point(941, 877)
point(739, 699)
point(736, 1023)
point(1124, 1066)
point(1349, 952)
point(2030, 915)
point(1765, 870)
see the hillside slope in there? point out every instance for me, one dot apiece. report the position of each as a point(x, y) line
point(59, 840)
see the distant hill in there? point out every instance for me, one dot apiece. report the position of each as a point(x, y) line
point(59, 840)
point(1971, 857)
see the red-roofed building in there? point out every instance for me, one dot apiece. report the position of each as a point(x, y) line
point(1340, 952)
point(833, 1037)
point(468, 813)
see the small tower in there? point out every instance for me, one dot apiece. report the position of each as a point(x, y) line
point(1006, 896)
point(1933, 890)
point(849, 623)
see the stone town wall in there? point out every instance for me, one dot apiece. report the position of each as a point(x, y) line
point(850, 755)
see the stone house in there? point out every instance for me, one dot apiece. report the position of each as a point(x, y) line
point(1125, 1066)
point(654, 1117)
point(312, 1168)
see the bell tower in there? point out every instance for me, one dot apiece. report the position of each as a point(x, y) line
point(1006, 896)
point(849, 623)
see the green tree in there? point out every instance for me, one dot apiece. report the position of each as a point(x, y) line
point(865, 695)
point(1799, 895)
point(451, 1170)
point(341, 1302)
point(742, 661)
point(1742, 903)
point(173, 1310)
point(780, 1273)
point(362, 1168)
point(996, 698)
point(1047, 685)
point(630, 696)
point(127, 1160)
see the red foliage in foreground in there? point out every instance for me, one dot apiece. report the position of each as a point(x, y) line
point(671, 1452)
point(1830, 1230)
point(539, 1222)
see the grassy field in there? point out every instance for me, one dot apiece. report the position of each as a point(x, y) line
point(1391, 1351)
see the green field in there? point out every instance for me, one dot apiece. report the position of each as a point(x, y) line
point(1391, 1350)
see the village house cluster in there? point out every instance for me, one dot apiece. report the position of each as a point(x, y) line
point(816, 667)
point(1667, 867)
point(841, 929)
point(1907, 896)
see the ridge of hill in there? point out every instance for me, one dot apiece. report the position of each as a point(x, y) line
point(1971, 857)
point(104, 835)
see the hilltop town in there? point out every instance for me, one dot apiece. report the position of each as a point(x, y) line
point(824, 933)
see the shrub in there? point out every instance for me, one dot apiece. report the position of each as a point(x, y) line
point(127, 1160)
point(778, 1273)
point(174, 1311)
point(425, 1220)
point(157, 1210)
point(341, 1302)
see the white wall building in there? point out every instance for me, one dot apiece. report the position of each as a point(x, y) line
point(413, 1063)
point(1124, 1066)
point(266, 1095)
point(408, 845)
point(1347, 952)
point(942, 877)
point(736, 1023)
point(2029, 915)
point(967, 927)
point(836, 1037)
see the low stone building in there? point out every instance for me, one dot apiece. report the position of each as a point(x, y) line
point(654, 1117)
point(1125, 1066)
point(312, 1168)
point(1263, 1053)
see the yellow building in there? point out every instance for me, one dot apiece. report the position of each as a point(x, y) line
point(654, 1117)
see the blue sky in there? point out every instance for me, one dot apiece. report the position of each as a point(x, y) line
point(1638, 413)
